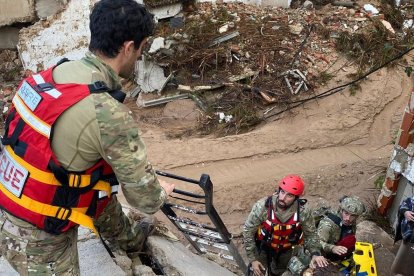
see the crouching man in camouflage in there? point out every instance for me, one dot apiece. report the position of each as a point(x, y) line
point(68, 142)
point(337, 229)
point(276, 230)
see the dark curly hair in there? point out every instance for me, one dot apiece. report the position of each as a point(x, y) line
point(112, 22)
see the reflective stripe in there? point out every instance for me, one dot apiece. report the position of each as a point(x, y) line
point(38, 78)
point(75, 216)
point(52, 92)
point(49, 178)
point(31, 119)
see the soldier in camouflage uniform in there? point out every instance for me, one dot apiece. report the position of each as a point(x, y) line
point(275, 230)
point(337, 229)
point(96, 127)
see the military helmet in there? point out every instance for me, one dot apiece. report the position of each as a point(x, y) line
point(352, 205)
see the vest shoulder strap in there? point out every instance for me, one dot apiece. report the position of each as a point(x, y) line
point(337, 220)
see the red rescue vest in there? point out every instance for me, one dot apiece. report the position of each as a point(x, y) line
point(278, 235)
point(33, 186)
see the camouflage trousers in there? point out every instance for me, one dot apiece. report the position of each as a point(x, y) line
point(31, 251)
point(291, 262)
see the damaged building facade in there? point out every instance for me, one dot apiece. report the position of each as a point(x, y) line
point(399, 180)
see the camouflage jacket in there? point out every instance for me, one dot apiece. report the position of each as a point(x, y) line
point(101, 127)
point(329, 233)
point(258, 215)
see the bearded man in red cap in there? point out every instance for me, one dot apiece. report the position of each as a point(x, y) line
point(280, 234)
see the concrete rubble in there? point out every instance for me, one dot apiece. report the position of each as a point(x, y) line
point(18, 11)
point(176, 259)
point(16, 14)
point(213, 43)
point(173, 257)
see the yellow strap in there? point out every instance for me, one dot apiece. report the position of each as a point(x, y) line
point(77, 215)
point(50, 179)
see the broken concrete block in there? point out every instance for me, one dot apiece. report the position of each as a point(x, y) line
point(45, 8)
point(175, 259)
point(143, 270)
point(14, 11)
point(277, 3)
point(102, 264)
point(166, 11)
point(149, 76)
point(70, 33)
point(9, 36)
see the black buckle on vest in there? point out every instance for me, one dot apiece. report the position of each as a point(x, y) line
point(63, 213)
point(42, 87)
point(98, 86)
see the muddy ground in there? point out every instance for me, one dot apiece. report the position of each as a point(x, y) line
point(340, 145)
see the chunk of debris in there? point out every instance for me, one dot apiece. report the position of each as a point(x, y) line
point(9, 37)
point(224, 38)
point(296, 29)
point(369, 8)
point(388, 26)
point(160, 101)
point(187, 88)
point(301, 81)
point(165, 252)
point(224, 118)
point(17, 11)
point(149, 76)
point(156, 45)
point(45, 8)
point(164, 8)
point(308, 5)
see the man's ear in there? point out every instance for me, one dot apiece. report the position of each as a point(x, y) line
point(128, 47)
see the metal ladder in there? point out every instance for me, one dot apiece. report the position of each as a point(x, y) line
point(204, 238)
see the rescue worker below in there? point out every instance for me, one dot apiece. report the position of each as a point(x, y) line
point(280, 234)
point(337, 229)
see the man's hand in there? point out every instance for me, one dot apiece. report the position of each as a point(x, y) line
point(318, 261)
point(257, 268)
point(339, 250)
point(409, 215)
point(168, 187)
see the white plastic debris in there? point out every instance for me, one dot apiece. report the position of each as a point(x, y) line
point(156, 45)
point(223, 117)
point(223, 28)
point(371, 9)
point(408, 24)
